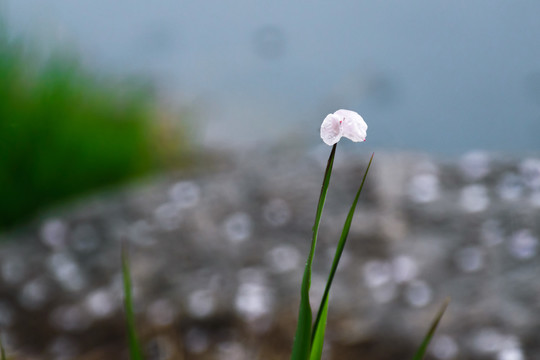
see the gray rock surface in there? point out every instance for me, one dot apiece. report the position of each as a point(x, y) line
point(217, 257)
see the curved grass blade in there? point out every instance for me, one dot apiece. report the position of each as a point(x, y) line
point(320, 322)
point(423, 347)
point(302, 338)
point(318, 333)
point(135, 352)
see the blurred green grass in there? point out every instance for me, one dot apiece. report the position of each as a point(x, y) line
point(65, 132)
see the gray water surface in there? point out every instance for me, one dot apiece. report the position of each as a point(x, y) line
point(435, 76)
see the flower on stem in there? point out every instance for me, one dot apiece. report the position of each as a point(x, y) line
point(343, 123)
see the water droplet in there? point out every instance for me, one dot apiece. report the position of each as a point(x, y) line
point(444, 347)
point(253, 300)
point(53, 233)
point(510, 187)
point(196, 341)
point(161, 313)
point(283, 258)
point(185, 194)
point(475, 165)
point(100, 303)
point(418, 293)
point(523, 245)
point(377, 273)
point(405, 269)
point(470, 259)
point(238, 227)
point(530, 170)
point(34, 294)
point(277, 212)
point(424, 188)
point(201, 303)
point(474, 198)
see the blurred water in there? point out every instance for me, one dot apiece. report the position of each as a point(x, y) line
point(219, 253)
point(442, 77)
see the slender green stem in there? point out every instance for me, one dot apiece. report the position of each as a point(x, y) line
point(302, 339)
point(339, 251)
point(320, 207)
point(135, 352)
point(423, 347)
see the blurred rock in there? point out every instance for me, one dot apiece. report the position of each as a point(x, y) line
point(217, 257)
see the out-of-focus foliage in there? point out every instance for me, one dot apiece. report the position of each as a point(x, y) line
point(63, 132)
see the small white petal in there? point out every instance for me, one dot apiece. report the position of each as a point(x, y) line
point(331, 130)
point(354, 127)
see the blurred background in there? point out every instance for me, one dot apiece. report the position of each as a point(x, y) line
point(438, 77)
point(191, 129)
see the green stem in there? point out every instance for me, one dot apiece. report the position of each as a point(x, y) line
point(339, 251)
point(302, 339)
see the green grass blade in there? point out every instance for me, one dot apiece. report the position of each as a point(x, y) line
point(320, 322)
point(302, 338)
point(318, 334)
point(423, 347)
point(3, 353)
point(135, 352)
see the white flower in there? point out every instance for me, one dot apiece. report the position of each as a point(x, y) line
point(343, 123)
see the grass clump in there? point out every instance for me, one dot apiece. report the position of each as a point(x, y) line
point(64, 132)
point(309, 337)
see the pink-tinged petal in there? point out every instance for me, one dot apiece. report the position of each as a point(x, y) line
point(354, 127)
point(331, 130)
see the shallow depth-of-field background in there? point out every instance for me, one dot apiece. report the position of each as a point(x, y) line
point(190, 132)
